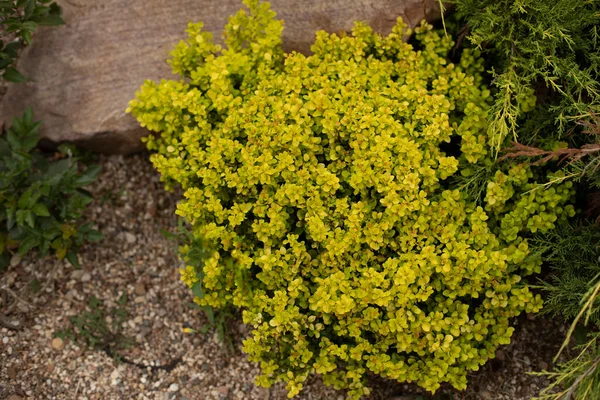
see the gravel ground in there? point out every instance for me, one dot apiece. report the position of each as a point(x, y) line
point(136, 259)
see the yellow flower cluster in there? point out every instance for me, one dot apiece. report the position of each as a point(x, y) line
point(321, 185)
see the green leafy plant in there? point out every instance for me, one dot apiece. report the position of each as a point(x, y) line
point(41, 200)
point(321, 191)
point(92, 329)
point(18, 21)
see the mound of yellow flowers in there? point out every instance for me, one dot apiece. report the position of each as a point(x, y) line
point(321, 188)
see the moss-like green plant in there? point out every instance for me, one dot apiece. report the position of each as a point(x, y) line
point(322, 186)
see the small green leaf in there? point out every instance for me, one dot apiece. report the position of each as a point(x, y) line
point(35, 286)
point(13, 139)
point(122, 300)
point(29, 7)
point(94, 236)
point(35, 196)
point(73, 259)
point(88, 176)
point(24, 200)
point(12, 49)
point(28, 116)
point(209, 314)
point(10, 218)
point(5, 62)
point(50, 20)
point(197, 289)
point(27, 245)
point(29, 218)
point(20, 217)
point(26, 35)
point(29, 26)
point(12, 75)
point(41, 210)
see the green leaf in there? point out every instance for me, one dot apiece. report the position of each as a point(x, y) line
point(43, 248)
point(209, 314)
point(88, 176)
point(10, 218)
point(18, 234)
point(17, 126)
point(197, 289)
point(13, 140)
point(41, 210)
point(56, 171)
point(73, 259)
point(49, 20)
point(20, 217)
point(94, 235)
point(28, 116)
point(27, 245)
point(29, 7)
point(29, 218)
point(29, 26)
point(122, 300)
point(30, 142)
point(26, 35)
point(23, 202)
point(5, 62)
point(12, 49)
point(12, 75)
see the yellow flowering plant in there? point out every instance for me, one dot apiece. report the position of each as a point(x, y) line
point(322, 188)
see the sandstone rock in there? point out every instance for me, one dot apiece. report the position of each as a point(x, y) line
point(84, 73)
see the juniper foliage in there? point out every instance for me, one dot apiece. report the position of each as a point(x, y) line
point(547, 45)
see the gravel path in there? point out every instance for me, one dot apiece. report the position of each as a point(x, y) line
point(136, 259)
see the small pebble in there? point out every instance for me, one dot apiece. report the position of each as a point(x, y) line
point(174, 387)
point(58, 344)
point(140, 289)
point(224, 390)
point(11, 372)
point(15, 260)
point(130, 238)
point(77, 274)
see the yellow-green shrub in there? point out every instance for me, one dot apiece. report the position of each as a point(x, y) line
point(321, 187)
